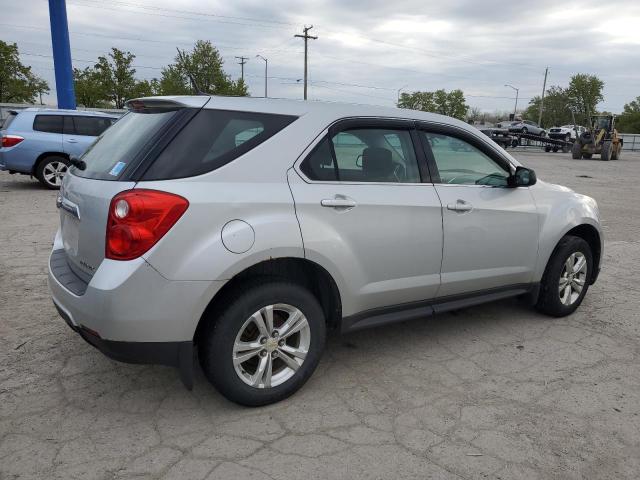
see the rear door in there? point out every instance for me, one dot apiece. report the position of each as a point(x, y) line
point(368, 212)
point(80, 131)
point(490, 229)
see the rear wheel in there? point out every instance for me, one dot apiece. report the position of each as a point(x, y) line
point(266, 343)
point(555, 149)
point(605, 155)
point(51, 171)
point(547, 148)
point(576, 151)
point(566, 279)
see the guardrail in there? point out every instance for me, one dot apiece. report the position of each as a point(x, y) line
point(630, 142)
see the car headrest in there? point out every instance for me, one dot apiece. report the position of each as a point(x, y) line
point(377, 163)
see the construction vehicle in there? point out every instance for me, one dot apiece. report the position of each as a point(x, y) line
point(601, 139)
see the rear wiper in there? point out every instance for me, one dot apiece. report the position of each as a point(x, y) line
point(76, 162)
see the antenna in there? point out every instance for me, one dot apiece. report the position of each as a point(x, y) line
point(194, 85)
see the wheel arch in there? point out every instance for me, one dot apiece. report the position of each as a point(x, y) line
point(45, 155)
point(296, 269)
point(590, 235)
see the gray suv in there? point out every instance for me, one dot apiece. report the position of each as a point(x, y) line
point(244, 229)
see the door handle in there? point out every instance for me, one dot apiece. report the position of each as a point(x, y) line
point(460, 206)
point(338, 202)
point(72, 140)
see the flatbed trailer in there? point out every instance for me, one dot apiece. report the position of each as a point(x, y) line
point(507, 139)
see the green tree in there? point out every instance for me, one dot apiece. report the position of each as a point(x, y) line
point(90, 90)
point(204, 66)
point(584, 92)
point(117, 76)
point(629, 120)
point(17, 82)
point(557, 108)
point(452, 104)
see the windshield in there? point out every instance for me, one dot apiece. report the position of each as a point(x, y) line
point(119, 145)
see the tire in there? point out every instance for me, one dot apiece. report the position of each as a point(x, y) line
point(216, 349)
point(605, 154)
point(569, 250)
point(524, 130)
point(576, 151)
point(547, 148)
point(543, 134)
point(617, 152)
point(51, 170)
point(567, 137)
point(555, 149)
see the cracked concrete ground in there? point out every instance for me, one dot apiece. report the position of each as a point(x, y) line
point(497, 391)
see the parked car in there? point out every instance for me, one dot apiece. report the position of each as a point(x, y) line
point(40, 141)
point(527, 126)
point(245, 228)
point(568, 133)
point(505, 124)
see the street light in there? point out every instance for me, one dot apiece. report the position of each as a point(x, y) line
point(516, 107)
point(266, 63)
point(399, 90)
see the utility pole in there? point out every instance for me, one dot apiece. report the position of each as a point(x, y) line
point(515, 108)
point(266, 63)
point(242, 61)
point(399, 90)
point(62, 54)
point(544, 87)
point(306, 37)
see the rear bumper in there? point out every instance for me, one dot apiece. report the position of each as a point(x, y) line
point(129, 311)
point(172, 354)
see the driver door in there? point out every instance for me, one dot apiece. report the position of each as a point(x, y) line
point(490, 229)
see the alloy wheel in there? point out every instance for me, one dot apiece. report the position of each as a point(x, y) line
point(271, 346)
point(572, 278)
point(53, 172)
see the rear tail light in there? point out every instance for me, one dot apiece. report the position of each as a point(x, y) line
point(138, 219)
point(11, 140)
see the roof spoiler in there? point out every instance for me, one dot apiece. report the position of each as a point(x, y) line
point(152, 105)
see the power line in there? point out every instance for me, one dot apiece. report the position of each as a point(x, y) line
point(306, 38)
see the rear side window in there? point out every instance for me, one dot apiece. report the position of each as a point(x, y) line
point(121, 144)
point(48, 123)
point(7, 121)
point(364, 155)
point(212, 139)
point(90, 126)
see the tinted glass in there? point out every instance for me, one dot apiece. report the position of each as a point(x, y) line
point(48, 123)
point(319, 164)
point(117, 147)
point(365, 155)
point(459, 162)
point(7, 121)
point(212, 139)
point(90, 126)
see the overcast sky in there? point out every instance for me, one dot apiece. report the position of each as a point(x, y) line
point(366, 50)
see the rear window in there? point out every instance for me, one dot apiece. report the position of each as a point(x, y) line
point(214, 138)
point(7, 121)
point(48, 123)
point(118, 147)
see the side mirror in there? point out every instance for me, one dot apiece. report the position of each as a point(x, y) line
point(524, 177)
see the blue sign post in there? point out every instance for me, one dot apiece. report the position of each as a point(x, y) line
point(62, 54)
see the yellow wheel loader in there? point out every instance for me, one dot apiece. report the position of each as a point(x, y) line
point(601, 139)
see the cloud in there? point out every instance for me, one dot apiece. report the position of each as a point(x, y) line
point(366, 50)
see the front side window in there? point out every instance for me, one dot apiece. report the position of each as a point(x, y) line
point(459, 162)
point(364, 155)
point(48, 123)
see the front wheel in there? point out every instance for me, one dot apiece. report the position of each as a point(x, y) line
point(566, 279)
point(576, 151)
point(266, 343)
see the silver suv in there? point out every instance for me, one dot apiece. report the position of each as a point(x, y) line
point(244, 229)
